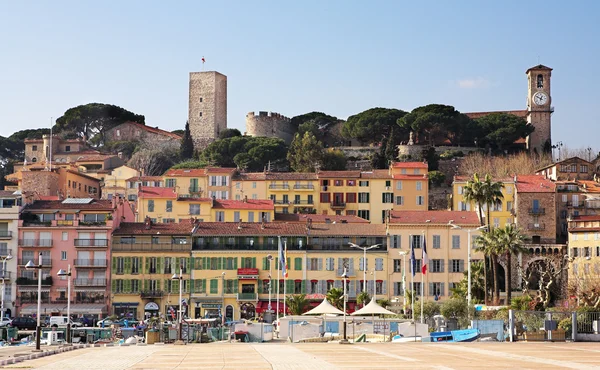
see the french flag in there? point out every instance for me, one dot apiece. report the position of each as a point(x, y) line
point(425, 261)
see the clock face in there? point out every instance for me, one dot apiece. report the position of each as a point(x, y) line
point(540, 98)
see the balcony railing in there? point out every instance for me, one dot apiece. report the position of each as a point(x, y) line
point(151, 247)
point(92, 223)
point(26, 281)
point(535, 227)
point(64, 222)
point(90, 263)
point(35, 242)
point(91, 242)
point(304, 187)
point(5, 234)
point(151, 293)
point(193, 189)
point(338, 205)
point(45, 262)
point(89, 282)
point(281, 202)
point(37, 223)
point(279, 187)
point(247, 297)
point(5, 252)
point(306, 202)
point(537, 211)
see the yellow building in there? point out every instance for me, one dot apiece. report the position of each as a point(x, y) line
point(447, 250)
point(116, 182)
point(501, 214)
point(136, 182)
point(144, 258)
point(247, 210)
point(206, 182)
point(410, 187)
point(292, 192)
point(232, 260)
point(584, 252)
point(252, 185)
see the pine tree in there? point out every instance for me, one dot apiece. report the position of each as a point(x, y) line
point(305, 153)
point(186, 151)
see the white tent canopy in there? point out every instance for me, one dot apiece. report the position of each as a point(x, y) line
point(324, 308)
point(372, 309)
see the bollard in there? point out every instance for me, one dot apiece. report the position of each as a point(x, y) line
point(511, 325)
point(574, 326)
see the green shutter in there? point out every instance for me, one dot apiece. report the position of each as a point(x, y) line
point(161, 265)
point(203, 285)
point(138, 286)
point(114, 284)
point(303, 287)
point(146, 285)
point(127, 264)
point(289, 286)
point(236, 286)
point(298, 263)
point(288, 262)
point(175, 286)
point(114, 264)
point(265, 263)
point(253, 262)
point(192, 284)
point(158, 285)
point(147, 269)
point(187, 265)
point(235, 263)
point(214, 286)
point(127, 286)
point(260, 286)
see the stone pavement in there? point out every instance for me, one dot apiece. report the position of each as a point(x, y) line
point(286, 356)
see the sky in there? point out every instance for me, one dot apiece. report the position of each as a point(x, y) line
point(293, 57)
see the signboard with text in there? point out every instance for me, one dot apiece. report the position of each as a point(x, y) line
point(247, 272)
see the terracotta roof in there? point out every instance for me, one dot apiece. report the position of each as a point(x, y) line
point(149, 192)
point(518, 113)
point(586, 218)
point(48, 197)
point(568, 160)
point(410, 177)
point(219, 170)
point(435, 217)
point(583, 229)
point(82, 174)
point(193, 199)
point(240, 204)
point(302, 218)
point(251, 176)
point(198, 172)
point(33, 140)
point(540, 67)
point(590, 186)
point(375, 174)
point(139, 228)
point(145, 178)
point(410, 165)
point(154, 130)
point(339, 174)
point(84, 157)
point(467, 178)
point(534, 184)
point(282, 228)
point(96, 204)
point(291, 176)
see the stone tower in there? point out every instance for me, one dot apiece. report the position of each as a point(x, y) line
point(207, 113)
point(539, 107)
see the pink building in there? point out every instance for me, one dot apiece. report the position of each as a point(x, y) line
point(76, 232)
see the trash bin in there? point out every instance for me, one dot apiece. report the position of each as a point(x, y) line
point(3, 333)
point(152, 336)
point(11, 333)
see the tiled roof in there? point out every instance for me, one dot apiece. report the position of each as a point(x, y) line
point(410, 177)
point(339, 174)
point(96, 204)
point(589, 186)
point(467, 178)
point(565, 161)
point(539, 66)
point(240, 204)
point(7, 193)
point(534, 184)
point(49, 197)
point(291, 176)
point(251, 176)
point(302, 218)
point(150, 192)
point(410, 165)
point(145, 178)
point(89, 157)
point(586, 218)
point(154, 130)
point(198, 172)
point(518, 113)
point(375, 174)
point(219, 170)
point(434, 217)
point(139, 228)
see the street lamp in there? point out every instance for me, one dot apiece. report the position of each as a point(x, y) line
point(403, 254)
point(38, 329)
point(223, 306)
point(270, 259)
point(345, 277)
point(4, 259)
point(179, 311)
point(67, 273)
point(468, 257)
point(364, 249)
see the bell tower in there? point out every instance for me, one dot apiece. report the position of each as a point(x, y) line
point(539, 108)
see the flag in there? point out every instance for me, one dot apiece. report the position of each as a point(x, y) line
point(285, 272)
point(203, 60)
point(425, 258)
point(282, 264)
point(413, 261)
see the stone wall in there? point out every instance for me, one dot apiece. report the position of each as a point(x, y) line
point(40, 182)
point(545, 218)
point(131, 132)
point(270, 124)
point(416, 150)
point(207, 113)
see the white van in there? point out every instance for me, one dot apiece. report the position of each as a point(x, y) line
point(62, 321)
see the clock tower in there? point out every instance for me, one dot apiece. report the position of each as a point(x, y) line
point(539, 108)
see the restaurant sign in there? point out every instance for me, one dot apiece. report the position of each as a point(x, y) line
point(247, 273)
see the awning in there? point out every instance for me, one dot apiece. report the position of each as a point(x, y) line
point(76, 309)
point(95, 290)
point(126, 304)
point(32, 289)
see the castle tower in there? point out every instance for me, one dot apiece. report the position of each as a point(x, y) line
point(207, 113)
point(539, 108)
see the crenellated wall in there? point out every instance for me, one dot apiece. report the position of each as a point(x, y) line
point(270, 124)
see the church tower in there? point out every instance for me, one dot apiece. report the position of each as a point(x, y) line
point(207, 114)
point(539, 108)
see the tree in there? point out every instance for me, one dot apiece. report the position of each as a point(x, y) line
point(186, 149)
point(487, 243)
point(333, 160)
point(492, 194)
point(437, 122)
point(430, 309)
point(335, 296)
point(432, 158)
point(229, 132)
point(500, 130)
point(510, 242)
point(246, 152)
point(310, 126)
point(372, 125)
point(454, 308)
point(94, 119)
point(436, 178)
point(297, 304)
point(384, 302)
point(153, 162)
point(505, 166)
point(477, 283)
point(363, 298)
point(305, 153)
point(125, 147)
point(321, 120)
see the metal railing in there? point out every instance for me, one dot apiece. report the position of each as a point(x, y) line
point(588, 323)
point(89, 282)
point(279, 187)
point(534, 227)
point(35, 242)
point(92, 223)
point(45, 261)
point(247, 297)
point(338, 204)
point(5, 274)
point(151, 247)
point(303, 202)
point(537, 211)
point(37, 223)
point(64, 222)
point(5, 252)
point(91, 242)
point(5, 234)
point(90, 263)
point(151, 293)
point(304, 187)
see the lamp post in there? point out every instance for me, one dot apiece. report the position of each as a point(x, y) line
point(364, 249)
point(270, 259)
point(179, 310)
point(345, 277)
point(403, 254)
point(468, 258)
point(38, 329)
point(4, 260)
point(67, 273)
point(223, 305)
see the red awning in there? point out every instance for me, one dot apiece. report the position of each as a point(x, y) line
point(314, 281)
point(298, 281)
point(379, 281)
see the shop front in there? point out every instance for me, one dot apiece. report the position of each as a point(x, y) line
point(151, 309)
point(127, 310)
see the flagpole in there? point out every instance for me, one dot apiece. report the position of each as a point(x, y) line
point(285, 274)
point(278, 277)
point(422, 284)
point(412, 279)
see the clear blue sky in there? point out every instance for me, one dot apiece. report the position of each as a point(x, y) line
point(292, 57)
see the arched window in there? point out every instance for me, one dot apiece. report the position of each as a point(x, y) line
point(540, 81)
point(34, 159)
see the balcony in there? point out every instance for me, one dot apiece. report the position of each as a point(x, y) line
point(26, 281)
point(90, 263)
point(91, 242)
point(537, 211)
point(89, 282)
point(45, 262)
point(303, 202)
point(65, 222)
point(536, 227)
point(35, 242)
point(5, 234)
point(145, 247)
point(304, 187)
point(194, 190)
point(37, 223)
point(5, 252)
point(281, 203)
point(247, 297)
point(338, 205)
point(92, 223)
point(279, 187)
point(5, 274)
point(152, 294)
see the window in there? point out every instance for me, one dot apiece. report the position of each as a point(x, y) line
point(396, 241)
point(200, 100)
point(363, 183)
point(135, 265)
point(420, 200)
point(314, 287)
point(350, 197)
point(194, 209)
point(34, 159)
point(457, 265)
point(387, 197)
point(297, 287)
point(67, 148)
point(325, 198)
point(436, 289)
point(378, 264)
point(437, 241)
point(575, 252)
point(351, 183)
point(170, 183)
point(455, 241)
point(437, 265)
point(338, 182)
point(220, 216)
point(63, 255)
point(397, 265)
point(399, 200)
point(419, 185)
point(583, 168)
point(254, 185)
point(120, 265)
point(509, 206)
point(403, 171)
point(398, 185)
point(540, 81)
point(34, 148)
point(415, 241)
point(250, 216)
point(65, 235)
point(169, 207)
point(313, 264)
point(363, 213)
point(363, 197)
point(151, 205)
point(416, 287)
point(496, 222)
point(168, 265)
point(329, 264)
point(152, 265)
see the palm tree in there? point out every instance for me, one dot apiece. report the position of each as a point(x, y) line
point(384, 302)
point(363, 298)
point(487, 243)
point(335, 296)
point(510, 241)
point(297, 304)
point(492, 194)
point(477, 284)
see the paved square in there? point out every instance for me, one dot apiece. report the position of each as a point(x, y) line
point(286, 356)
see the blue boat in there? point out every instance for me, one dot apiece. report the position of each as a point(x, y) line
point(465, 335)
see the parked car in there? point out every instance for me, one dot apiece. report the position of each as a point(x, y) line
point(5, 321)
point(106, 322)
point(27, 323)
point(63, 320)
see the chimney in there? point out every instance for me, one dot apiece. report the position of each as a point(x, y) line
point(245, 199)
point(147, 223)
